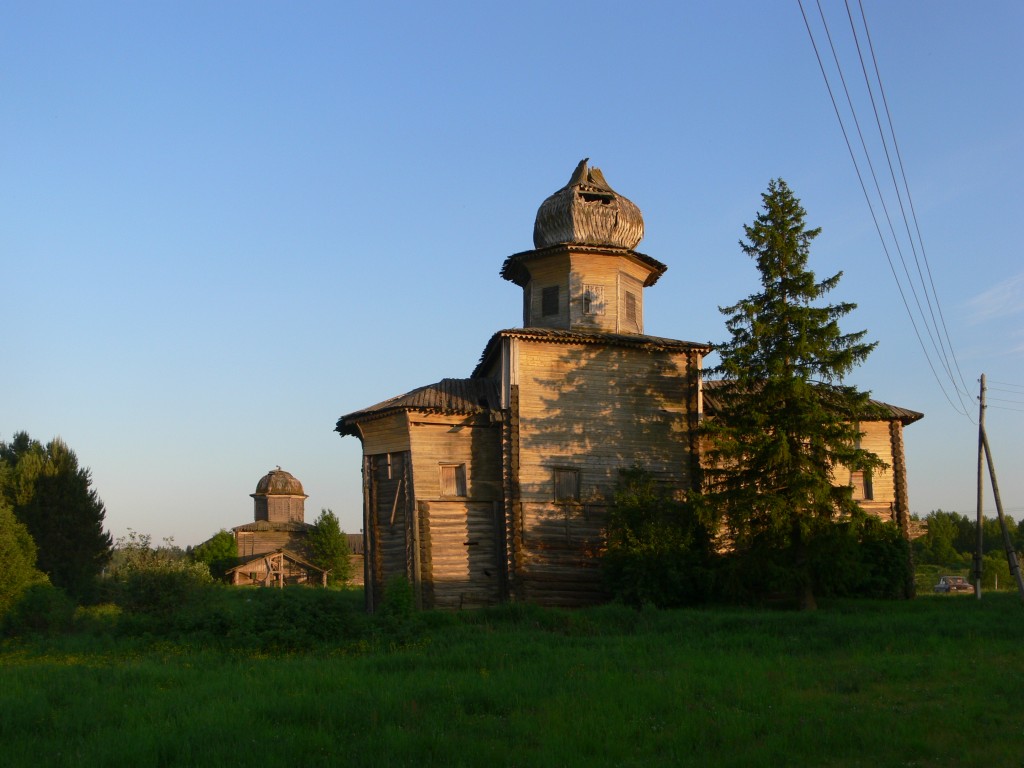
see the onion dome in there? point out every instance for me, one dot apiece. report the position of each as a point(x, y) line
point(277, 482)
point(587, 211)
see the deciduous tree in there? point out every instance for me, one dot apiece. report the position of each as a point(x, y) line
point(328, 546)
point(18, 556)
point(219, 552)
point(786, 418)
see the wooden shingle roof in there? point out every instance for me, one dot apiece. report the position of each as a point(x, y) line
point(450, 396)
point(712, 405)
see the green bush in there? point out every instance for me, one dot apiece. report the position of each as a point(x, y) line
point(658, 549)
point(41, 609)
point(861, 556)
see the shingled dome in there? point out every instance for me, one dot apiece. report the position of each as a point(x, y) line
point(277, 482)
point(587, 211)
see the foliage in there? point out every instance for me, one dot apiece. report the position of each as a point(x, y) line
point(328, 547)
point(951, 541)
point(785, 417)
point(40, 609)
point(861, 556)
point(53, 497)
point(158, 581)
point(18, 558)
point(218, 553)
point(658, 549)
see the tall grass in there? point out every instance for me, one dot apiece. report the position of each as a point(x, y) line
point(933, 682)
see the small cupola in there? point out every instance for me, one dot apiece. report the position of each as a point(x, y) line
point(587, 211)
point(584, 274)
point(279, 498)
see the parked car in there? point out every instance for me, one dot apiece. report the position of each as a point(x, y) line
point(950, 584)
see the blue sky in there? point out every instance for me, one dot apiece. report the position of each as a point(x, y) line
point(227, 224)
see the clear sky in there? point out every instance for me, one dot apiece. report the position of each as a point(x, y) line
point(226, 224)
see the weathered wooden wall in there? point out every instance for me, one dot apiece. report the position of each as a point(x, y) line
point(595, 409)
point(877, 439)
point(258, 542)
point(458, 544)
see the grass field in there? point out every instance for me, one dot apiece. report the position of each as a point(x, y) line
point(933, 682)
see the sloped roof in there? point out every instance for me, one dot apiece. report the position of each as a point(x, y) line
point(449, 396)
point(266, 525)
point(893, 412)
point(287, 554)
point(555, 335)
point(515, 271)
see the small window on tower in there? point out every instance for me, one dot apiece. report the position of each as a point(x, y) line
point(453, 479)
point(862, 487)
point(631, 315)
point(549, 301)
point(593, 299)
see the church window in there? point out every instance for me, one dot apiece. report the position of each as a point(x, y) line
point(862, 486)
point(567, 484)
point(593, 300)
point(549, 301)
point(631, 315)
point(453, 479)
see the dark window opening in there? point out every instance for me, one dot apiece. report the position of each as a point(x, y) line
point(631, 307)
point(549, 301)
point(863, 489)
point(567, 484)
point(596, 197)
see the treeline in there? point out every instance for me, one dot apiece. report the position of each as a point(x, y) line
point(952, 538)
point(56, 554)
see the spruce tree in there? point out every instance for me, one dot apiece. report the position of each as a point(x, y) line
point(785, 418)
point(52, 496)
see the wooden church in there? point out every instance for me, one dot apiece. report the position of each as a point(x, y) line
point(497, 486)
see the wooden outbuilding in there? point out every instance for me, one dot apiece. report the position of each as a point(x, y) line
point(277, 569)
point(497, 486)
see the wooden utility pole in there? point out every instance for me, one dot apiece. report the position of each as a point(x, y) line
point(1011, 555)
point(981, 488)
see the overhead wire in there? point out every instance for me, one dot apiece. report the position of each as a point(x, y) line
point(906, 186)
point(940, 346)
point(860, 177)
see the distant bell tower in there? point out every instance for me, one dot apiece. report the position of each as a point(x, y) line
point(584, 274)
point(279, 498)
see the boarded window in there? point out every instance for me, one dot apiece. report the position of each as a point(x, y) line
point(549, 301)
point(631, 315)
point(862, 488)
point(453, 479)
point(567, 484)
point(593, 299)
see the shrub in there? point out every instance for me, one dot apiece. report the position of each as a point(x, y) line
point(658, 549)
point(40, 609)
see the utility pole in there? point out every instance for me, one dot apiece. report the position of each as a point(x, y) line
point(981, 488)
point(1011, 555)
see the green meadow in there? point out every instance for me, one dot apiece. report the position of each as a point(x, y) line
point(302, 677)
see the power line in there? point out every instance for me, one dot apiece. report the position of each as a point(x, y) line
point(906, 185)
point(941, 347)
point(961, 408)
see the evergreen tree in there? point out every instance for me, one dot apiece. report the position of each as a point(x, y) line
point(785, 418)
point(54, 499)
point(328, 547)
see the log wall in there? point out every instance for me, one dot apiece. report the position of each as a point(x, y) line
point(594, 409)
